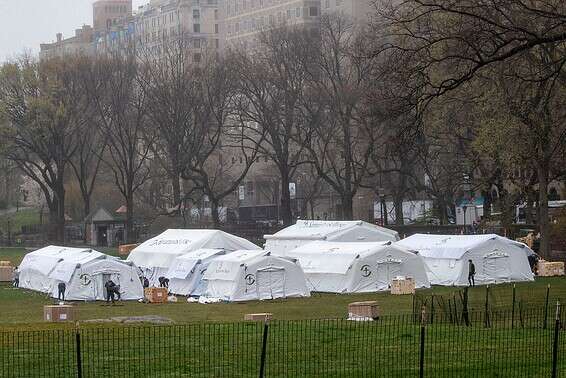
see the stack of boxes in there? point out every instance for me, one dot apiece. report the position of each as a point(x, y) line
point(402, 285)
point(6, 271)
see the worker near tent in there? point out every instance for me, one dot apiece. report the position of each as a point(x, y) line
point(16, 277)
point(471, 273)
point(163, 282)
point(145, 283)
point(61, 291)
point(110, 290)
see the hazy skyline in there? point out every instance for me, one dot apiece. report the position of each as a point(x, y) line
point(25, 24)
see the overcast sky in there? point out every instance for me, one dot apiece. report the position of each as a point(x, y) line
point(24, 24)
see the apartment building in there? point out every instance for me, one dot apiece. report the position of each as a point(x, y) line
point(80, 43)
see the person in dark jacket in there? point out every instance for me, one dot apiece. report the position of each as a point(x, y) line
point(145, 283)
point(61, 291)
point(163, 282)
point(471, 273)
point(109, 285)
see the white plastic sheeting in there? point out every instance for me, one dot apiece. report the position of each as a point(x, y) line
point(497, 259)
point(252, 275)
point(186, 271)
point(84, 272)
point(156, 255)
point(305, 231)
point(339, 267)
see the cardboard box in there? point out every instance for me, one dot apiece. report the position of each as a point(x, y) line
point(125, 249)
point(402, 286)
point(5, 263)
point(549, 269)
point(156, 294)
point(363, 310)
point(265, 316)
point(59, 313)
point(6, 273)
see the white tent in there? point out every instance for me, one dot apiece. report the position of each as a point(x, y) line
point(186, 271)
point(156, 255)
point(84, 272)
point(305, 231)
point(338, 267)
point(252, 275)
point(497, 259)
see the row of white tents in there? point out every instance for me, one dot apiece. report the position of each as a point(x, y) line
point(335, 257)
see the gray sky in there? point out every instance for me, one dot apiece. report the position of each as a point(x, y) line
point(24, 24)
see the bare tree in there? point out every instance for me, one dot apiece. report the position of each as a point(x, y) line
point(121, 107)
point(342, 126)
point(44, 107)
point(272, 80)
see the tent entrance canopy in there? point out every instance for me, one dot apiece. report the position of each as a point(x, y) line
point(497, 259)
point(186, 271)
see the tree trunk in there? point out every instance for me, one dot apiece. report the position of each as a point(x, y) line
point(214, 205)
point(285, 209)
point(399, 221)
point(130, 237)
point(348, 207)
point(175, 182)
point(544, 225)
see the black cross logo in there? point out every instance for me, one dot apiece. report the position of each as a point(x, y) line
point(85, 279)
point(250, 279)
point(366, 271)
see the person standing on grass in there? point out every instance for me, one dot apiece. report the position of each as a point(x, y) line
point(109, 285)
point(471, 273)
point(61, 291)
point(16, 277)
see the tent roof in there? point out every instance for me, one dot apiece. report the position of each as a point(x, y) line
point(336, 257)
point(177, 241)
point(46, 259)
point(242, 256)
point(319, 230)
point(450, 246)
point(199, 254)
point(228, 266)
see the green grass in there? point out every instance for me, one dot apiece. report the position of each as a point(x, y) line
point(212, 341)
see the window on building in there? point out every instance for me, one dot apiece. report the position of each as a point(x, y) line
point(197, 58)
point(250, 189)
point(313, 11)
point(196, 14)
point(297, 12)
point(216, 28)
point(196, 28)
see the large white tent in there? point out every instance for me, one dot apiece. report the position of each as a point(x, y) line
point(306, 231)
point(156, 255)
point(338, 267)
point(186, 271)
point(497, 259)
point(84, 272)
point(254, 275)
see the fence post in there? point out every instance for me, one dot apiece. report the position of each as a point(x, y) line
point(555, 342)
point(78, 349)
point(513, 308)
point(487, 306)
point(432, 309)
point(264, 348)
point(465, 308)
point(422, 339)
point(544, 325)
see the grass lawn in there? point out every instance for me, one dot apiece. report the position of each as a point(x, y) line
point(25, 307)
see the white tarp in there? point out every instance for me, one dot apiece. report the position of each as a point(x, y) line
point(186, 271)
point(497, 259)
point(84, 272)
point(254, 275)
point(339, 267)
point(156, 255)
point(306, 231)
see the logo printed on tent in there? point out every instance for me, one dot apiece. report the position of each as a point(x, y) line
point(250, 279)
point(85, 279)
point(366, 271)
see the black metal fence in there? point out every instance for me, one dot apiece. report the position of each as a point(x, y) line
point(413, 345)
